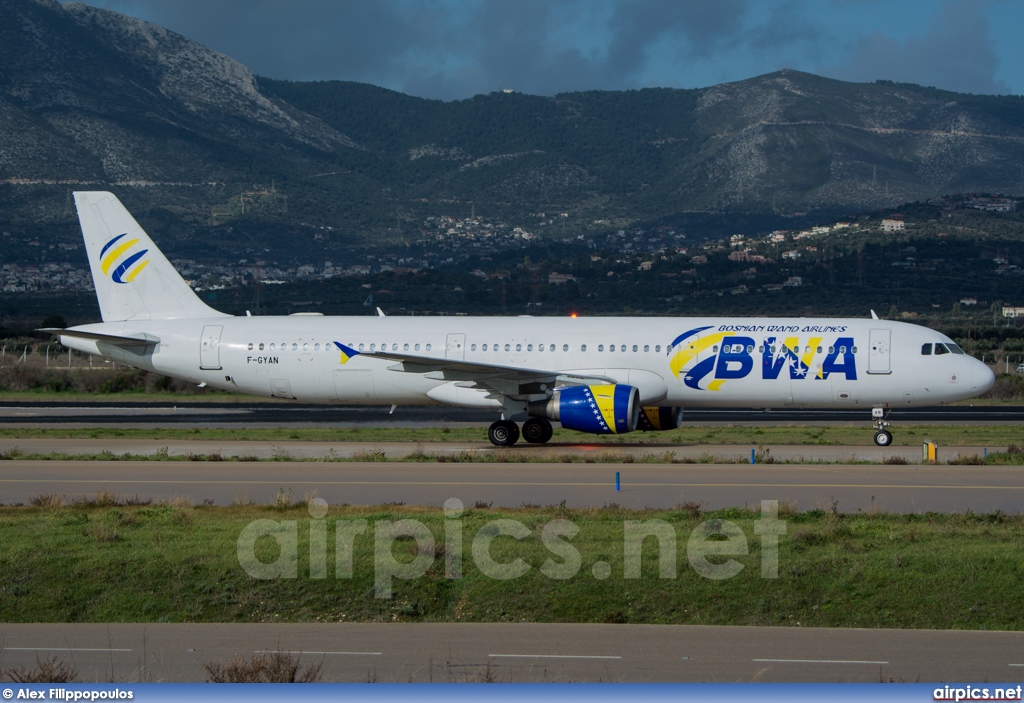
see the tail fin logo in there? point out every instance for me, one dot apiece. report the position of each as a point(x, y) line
point(119, 261)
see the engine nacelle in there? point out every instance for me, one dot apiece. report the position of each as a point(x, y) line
point(657, 418)
point(602, 409)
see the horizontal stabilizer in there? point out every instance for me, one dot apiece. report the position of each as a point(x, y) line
point(142, 340)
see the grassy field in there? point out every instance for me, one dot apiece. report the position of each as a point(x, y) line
point(108, 561)
point(903, 435)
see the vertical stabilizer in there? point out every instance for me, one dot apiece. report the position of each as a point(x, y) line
point(133, 279)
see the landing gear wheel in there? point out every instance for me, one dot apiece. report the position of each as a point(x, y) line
point(537, 430)
point(883, 438)
point(503, 433)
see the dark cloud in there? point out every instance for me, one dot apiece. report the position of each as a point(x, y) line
point(450, 49)
point(696, 28)
point(954, 53)
point(456, 48)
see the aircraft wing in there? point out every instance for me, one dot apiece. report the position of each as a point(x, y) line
point(144, 340)
point(511, 381)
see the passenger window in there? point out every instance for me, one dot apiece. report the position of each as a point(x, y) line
point(926, 349)
point(750, 348)
point(647, 347)
point(842, 350)
point(295, 346)
point(428, 347)
point(583, 347)
point(272, 346)
point(831, 350)
point(658, 348)
point(819, 350)
point(715, 349)
point(771, 349)
point(635, 348)
point(529, 347)
point(565, 348)
point(600, 347)
point(361, 346)
point(316, 347)
point(508, 347)
point(854, 350)
point(483, 348)
point(760, 349)
point(519, 347)
point(250, 346)
point(405, 347)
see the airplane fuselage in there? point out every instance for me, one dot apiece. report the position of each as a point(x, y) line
point(686, 362)
point(595, 375)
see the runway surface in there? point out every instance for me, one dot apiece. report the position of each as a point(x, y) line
point(852, 488)
point(253, 415)
point(527, 652)
point(502, 652)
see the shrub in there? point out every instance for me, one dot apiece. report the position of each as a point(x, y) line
point(272, 667)
point(46, 671)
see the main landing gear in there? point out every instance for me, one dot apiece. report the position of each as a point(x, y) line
point(883, 437)
point(505, 433)
point(537, 430)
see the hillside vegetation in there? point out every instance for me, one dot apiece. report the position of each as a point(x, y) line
point(90, 98)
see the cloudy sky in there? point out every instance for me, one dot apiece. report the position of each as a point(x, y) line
point(453, 49)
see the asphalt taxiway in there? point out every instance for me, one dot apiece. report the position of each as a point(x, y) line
point(400, 652)
point(278, 414)
point(844, 487)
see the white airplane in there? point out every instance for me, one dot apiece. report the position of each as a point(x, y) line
point(602, 375)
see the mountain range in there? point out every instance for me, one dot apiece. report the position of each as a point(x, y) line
point(90, 98)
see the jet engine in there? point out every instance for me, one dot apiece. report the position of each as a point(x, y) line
point(657, 418)
point(600, 409)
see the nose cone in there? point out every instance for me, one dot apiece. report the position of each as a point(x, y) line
point(982, 377)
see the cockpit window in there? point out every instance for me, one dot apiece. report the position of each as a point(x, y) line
point(941, 349)
point(954, 348)
point(926, 349)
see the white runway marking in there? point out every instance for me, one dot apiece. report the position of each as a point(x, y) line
point(65, 649)
point(554, 656)
point(275, 651)
point(818, 661)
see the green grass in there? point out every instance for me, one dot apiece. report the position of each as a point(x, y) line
point(112, 562)
point(205, 395)
point(1014, 456)
point(903, 435)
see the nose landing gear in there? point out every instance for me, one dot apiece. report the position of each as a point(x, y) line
point(883, 437)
